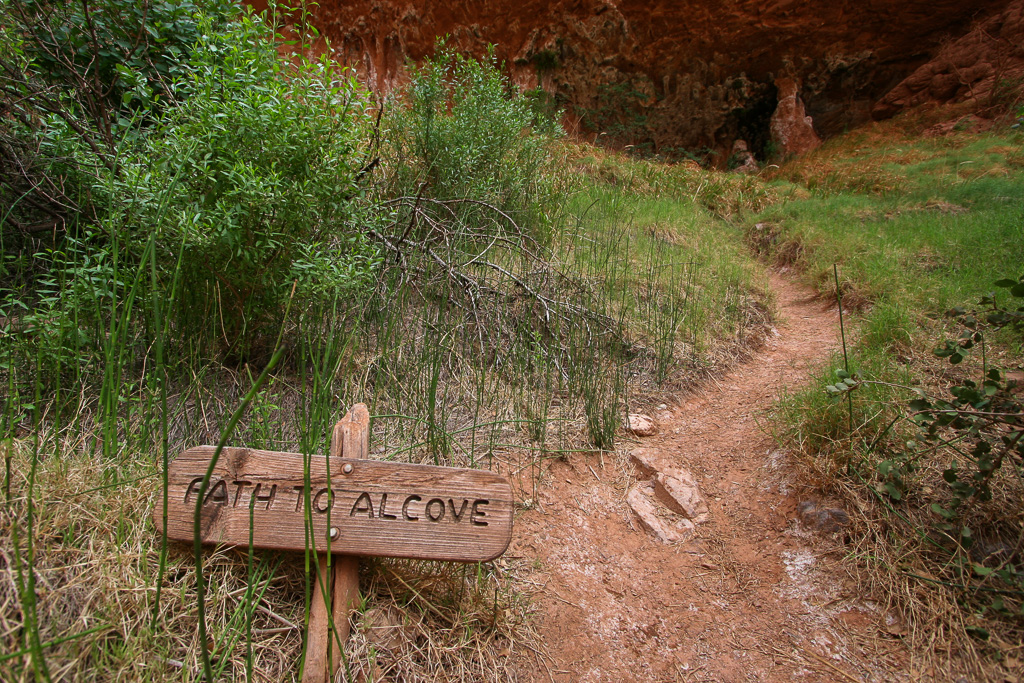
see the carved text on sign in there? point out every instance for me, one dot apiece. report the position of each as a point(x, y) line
point(366, 507)
point(410, 508)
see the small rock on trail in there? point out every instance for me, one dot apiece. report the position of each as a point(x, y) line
point(666, 526)
point(641, 425)
point(828, 520)
point(677, 489)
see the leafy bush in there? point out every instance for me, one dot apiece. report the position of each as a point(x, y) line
point(251, 187)
point(979, 431)
point(245, 195)
point(467, 133)
point(76, 77)
point(113, 51)
point(987, 417)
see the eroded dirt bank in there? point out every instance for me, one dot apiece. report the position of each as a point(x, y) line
point(751, 597)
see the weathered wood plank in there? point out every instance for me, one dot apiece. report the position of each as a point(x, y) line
point(330, 609)
point(378, 508)
point(316, 666)
point(352, 440)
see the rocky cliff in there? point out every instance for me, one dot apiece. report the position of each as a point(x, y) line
point(986, 65)
point(688, 74)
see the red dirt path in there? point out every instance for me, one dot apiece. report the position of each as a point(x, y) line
point(752, 597)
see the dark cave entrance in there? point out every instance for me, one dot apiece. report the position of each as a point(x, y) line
point(752, 123)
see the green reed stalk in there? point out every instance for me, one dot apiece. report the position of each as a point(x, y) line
point(842, 332)
point(26, 580)
point(197, 544)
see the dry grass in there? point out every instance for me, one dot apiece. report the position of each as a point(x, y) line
point(429, 621)
point(726, 195)
point(895, 552)
point(893, 566)
point(95, 562)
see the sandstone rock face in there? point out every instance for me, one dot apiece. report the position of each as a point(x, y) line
point(791, 128)
point(684, 74)
point(985, 65)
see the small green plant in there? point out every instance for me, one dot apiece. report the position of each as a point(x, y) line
point(546, 61)
point(620, 111)
point(986, 419)
point(980, 426)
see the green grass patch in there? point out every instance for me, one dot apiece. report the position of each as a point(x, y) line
point(934, 242)
point(917, 226)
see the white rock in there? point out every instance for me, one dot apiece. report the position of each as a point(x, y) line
point(644, 462)
point(641, 425)
point(666, 528)
point(678, 489)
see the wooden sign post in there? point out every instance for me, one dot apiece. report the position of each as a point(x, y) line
point(336, 590)
point(341, 506)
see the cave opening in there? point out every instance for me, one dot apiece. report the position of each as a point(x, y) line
point(753, 123)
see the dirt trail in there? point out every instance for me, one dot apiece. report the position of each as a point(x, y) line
point(752, 597)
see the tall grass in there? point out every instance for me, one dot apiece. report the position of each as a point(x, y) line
point(493, 306)
point(508, 385)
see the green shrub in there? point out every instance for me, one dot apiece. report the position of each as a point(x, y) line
point(77, 78)
point(112, 52)
point(250, 186)
point(620, 110)
point(467, 133)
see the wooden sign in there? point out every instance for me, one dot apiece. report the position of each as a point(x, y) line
point(341, 506)
point(367, 507)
